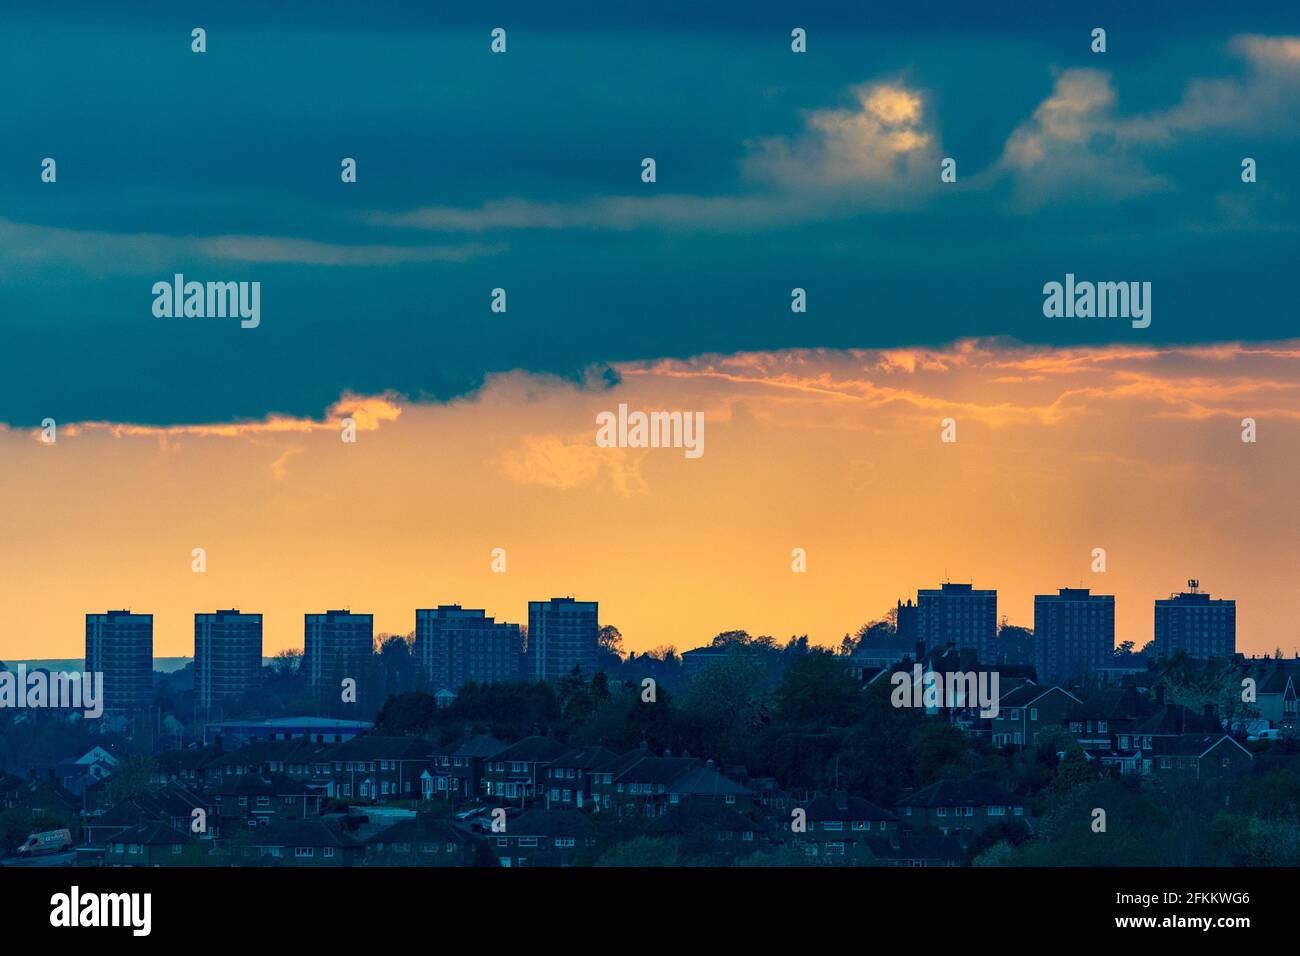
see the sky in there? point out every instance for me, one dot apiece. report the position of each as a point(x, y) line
point(522, 171)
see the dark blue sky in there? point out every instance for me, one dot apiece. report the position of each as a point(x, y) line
point(225, 166)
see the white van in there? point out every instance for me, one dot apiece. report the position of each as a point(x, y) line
point(49, 841)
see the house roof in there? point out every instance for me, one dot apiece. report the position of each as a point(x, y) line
point(658, 770)
point(960, 793)
point(1169, 719)
point(260, 785)
point(845, 807)
point(422, 829)
point(1193, 745)
point(480, 745)
point(550, 823)
point(1107, 703)
point(535, 749)
point(706, 781)
point(259, 752)
point(917, 846)
point(708, 818)
point(302, 833)
point(1027, 694)
point(584, 758)
point(377, 747)
point(154, 833)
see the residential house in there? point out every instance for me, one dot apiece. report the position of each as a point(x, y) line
point(426, 841)
point(959, 807)
point(836, 827)
point(375, 768)
point(457, 772)
point(301, 843)
point(519, 771)
point(569, 776)
point(1027, 710)
point(148, 844)
point(1204, 758)
point(544, 838)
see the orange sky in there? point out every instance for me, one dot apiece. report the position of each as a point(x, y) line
point(1058, 452)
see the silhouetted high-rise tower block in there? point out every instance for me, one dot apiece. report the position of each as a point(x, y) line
point(1074, 633)
point(455, 645)
point(227, 655)
point(337, 645)
point(960, 615)
point(1193, 623)
point(119, 645)
point(562, 634)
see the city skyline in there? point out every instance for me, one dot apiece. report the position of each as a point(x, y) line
point(1058, 452)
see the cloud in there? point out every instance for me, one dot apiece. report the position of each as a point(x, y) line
point(367, 412)
point(565, 463)
point(1076, 137)
point(843, 160)
point(881, 140)
point(1072, 140)
point(1267, 97)
point(108, 252)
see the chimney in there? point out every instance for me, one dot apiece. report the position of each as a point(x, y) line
point(841, 800)
point(1208, 710)
point(1160, 694)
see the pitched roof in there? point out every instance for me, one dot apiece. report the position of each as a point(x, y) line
point(917, 846)
point(550, 823)
point(845, 807)
point(960, 793)
point(1175, 719)
point(154, 833)
point(302, 833)
point(534, 749)
point(1026, 694)
point(706, 817)
point(1193, 745)
point(377, 747)
point(258, 752)
point(422, 829)
point(658, 770)
point(584, 758)
point(706, 781)
point(480, 745)
point(260, 785)
point(1107, 703)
